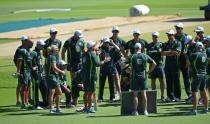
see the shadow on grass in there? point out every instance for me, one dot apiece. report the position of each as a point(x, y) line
point(28, 113)
point(188, 20)
point(60, 114)
point(170, 114)
point(171, 104)
point(107, 103)
point(104, 116)
point(10, 108)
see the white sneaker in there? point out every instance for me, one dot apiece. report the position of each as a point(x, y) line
point(177, 99)
point(135, 113)
point(51, 112)
point(117, 97)
point(146, 113)
point(39, 108)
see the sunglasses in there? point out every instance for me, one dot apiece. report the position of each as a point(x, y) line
point(54, 33)
point(115, 31)
point(199, 33)
point(178, 28)
point(136, 34)
point(155, 36)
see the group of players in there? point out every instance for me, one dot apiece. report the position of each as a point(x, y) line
point(124, 63)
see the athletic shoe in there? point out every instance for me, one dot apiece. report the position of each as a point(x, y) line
point(58, 111)
point(169, 99)
point(177, 99)
point(117, 97)
point(38, 108)
point(205, 111)
point(52, 112)
point(85, 110)
point(18, 103)
point(189, 100)
point(192, 112)
point(163, 99)
point(91, 110)
point(135, 113)
point(62, 102)
point(81, 109)
point(146, 113)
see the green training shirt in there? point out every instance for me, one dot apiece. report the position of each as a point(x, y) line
point(154, 51)
point(199, 63)
point(89, 63)
point(172, 62)
point(131, 45)
point(74, 49)
point(138, 63)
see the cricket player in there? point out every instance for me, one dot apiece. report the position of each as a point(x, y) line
point(171, 50)
point(138, 62)
point(116, 59)
point(199, 63)
point(154, 50)
point(63, 84)
point(74, 47)
point(38, 75)
point(52, 79)
point(23, 68)
point(89, 63)
point(180, 36)
point(107, 48)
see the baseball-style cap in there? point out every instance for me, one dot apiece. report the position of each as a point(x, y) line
point(136, 31)
point(138, 45)
point(53, 30)
point(188, 38)
point(106, 39)
point(199, 44)
point(171, 32)
point(179, 25)
point(24, 38)
point(207, 38)
point(155, 33)
point(115, 28)
point(40, 42)
point(199, 29)
point(61, 62)
point(90, 44)
point(78, 33)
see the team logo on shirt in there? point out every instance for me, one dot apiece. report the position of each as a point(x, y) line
point(203, 59)
point(139, 61)
point(77, 48)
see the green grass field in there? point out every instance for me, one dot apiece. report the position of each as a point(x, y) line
point(172, 113)
point(96, 8)
point(107, 113)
